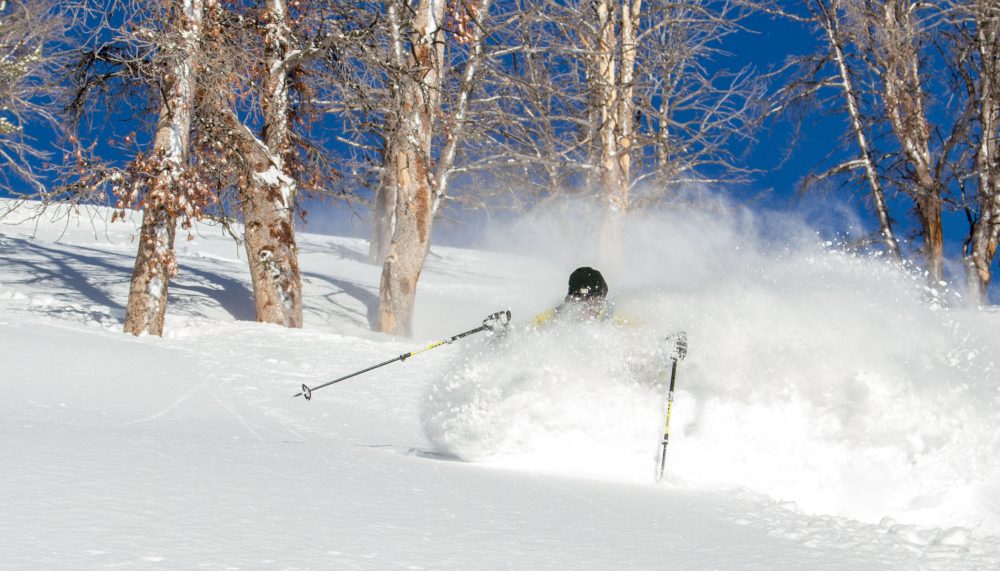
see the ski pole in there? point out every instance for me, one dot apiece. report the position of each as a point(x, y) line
point(495, 322)
point(680, 351)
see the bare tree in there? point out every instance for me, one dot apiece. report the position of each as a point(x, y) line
point(837, 71)
point(892, 32)
point(887, 56)
point(295, 45)
point(460, 55)
point(410, 157)
point(384, 206)
point(247, 86)
point(612, 50)
point(424, 75)
point(167, 190)
point(147, 57)
point(534, 136)
point(694, 120)
point(978, 61)
point(615, 96)
point(269, 204)
point(299, 50)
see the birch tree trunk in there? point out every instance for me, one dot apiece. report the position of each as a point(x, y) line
point(155, 263)
point(605, 88)
point(612, 86)
point(830, 23)
point(420, 182)
point(411, 158)
point(471, 33)
point(904, 100)
point(384, 207)
point(625, 113)
point(986, 229)
point(269, 203)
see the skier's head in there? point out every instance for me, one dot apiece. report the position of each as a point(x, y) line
point(586, 284)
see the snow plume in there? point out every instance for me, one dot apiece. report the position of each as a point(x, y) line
point(541, 401)
point(827, 379)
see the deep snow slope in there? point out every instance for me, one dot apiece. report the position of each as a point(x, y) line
point(530, 452)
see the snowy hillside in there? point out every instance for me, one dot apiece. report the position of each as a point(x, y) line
point(830, 415)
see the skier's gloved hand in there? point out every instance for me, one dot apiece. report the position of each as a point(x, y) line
point(680, 349)
point(498, 322)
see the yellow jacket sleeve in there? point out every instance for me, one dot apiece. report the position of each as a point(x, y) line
point(548, 315)
point(544, 317)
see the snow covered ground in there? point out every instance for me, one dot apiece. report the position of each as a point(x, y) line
point(830, 414)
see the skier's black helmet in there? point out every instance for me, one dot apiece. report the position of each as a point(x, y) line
point(587, 283)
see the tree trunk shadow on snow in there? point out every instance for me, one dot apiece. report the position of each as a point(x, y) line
point(344, 252)
point(230, 294)
point(367, 298)
point(234, 296)
point(65, 274)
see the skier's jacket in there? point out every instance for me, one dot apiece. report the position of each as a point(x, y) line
point(607, 314)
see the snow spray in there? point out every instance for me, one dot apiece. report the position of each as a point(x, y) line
point(830, 379)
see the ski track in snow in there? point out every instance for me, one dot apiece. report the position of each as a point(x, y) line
point(172, 406)
point(189, 452)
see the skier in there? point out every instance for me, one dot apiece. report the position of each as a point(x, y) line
point(585, 300)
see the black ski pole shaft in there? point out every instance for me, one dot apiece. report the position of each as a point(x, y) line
point(666, 426)
point(307, 392)
point(493, 322)
point(679, 352)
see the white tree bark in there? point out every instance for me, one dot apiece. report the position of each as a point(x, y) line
point(455, 130)
point(625, 113)
point(384, 207)
point(904, 100)
point(613, 59)
point(605, 87)
point(411, 157)
point(420, 181)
